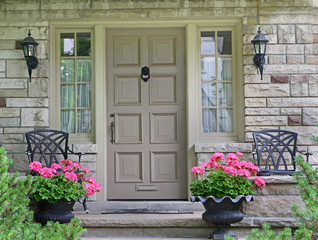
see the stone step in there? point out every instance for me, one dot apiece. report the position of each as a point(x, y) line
point(165, 226)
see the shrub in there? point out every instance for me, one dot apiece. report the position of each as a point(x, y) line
point(16, 220)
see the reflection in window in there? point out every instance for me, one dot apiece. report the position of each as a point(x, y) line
point(217, 81)
point(76, 82)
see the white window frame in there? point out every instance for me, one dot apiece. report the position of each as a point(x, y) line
point(55, 109)
point(238, 92)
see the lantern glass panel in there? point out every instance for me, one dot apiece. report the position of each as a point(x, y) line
point(263, 47)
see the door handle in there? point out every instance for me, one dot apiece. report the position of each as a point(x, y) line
point(112, 132)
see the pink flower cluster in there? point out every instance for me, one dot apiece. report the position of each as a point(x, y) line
point(70, 171)
point(233, 166)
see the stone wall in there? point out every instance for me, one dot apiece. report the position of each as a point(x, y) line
point(287, 98)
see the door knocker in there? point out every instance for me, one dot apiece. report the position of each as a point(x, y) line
point(145, 73)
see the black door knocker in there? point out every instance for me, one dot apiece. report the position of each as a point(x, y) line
point(145, 73)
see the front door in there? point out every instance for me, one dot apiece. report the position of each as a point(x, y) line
point(146, 117)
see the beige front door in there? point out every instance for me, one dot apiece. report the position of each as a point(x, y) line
point(146, 119)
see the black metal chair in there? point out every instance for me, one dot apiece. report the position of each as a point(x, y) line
point(273, 149)
point(48, 146)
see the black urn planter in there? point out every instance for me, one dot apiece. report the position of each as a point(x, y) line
point(59, 211)
point(222, 212)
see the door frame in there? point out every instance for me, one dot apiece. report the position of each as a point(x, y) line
point(192, 87)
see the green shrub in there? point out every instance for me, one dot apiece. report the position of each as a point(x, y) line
point(16, 220)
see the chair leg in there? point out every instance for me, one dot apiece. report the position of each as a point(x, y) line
point(85, 206)
point(83, 201)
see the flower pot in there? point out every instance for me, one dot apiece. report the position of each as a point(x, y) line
point(222, 212)
point(59, 211)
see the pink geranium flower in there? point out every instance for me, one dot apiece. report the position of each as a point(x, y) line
point(205, 165)
point(66, 162)
point(55, 166)
point(35, 166)
point(259, 181)
point(230, 170)
point(86, 170)
point(67, 169)
point(197, 170)
point(77, 165)
point(71, 176)
point(46, 172)
point(91, 189)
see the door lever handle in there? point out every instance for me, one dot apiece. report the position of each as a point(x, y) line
point(112, 132)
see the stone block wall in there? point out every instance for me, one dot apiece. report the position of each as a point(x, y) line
point(286, 98)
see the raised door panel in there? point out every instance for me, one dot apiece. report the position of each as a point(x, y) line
point(164, 127)
point(127, 90)
point(128, 128)
point(128, 167)
point(162, 50)
point(126, 51)
point(164, 166)
point(163, 90)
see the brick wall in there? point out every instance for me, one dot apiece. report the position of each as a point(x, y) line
point(287, 98)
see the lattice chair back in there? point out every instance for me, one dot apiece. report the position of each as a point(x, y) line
point(275, 151)
point(47, 146)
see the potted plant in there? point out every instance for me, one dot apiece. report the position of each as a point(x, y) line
point(56, 189)
point(222, 186)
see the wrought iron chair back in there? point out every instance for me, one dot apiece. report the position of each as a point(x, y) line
point(50, 146)
point(275, 151)
point(47, 146)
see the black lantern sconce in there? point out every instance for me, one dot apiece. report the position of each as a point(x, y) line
point(29, 49)
point(260, 43)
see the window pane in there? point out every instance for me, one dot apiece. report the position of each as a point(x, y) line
point(83, 44)
point(207, 43)
point(67, 70)
point(225, 42)
point(84, 95)
point(84, 70)
point(67, 44)
point(209, 120)
point(208, 71)
point(67, 96)
point(226, 120)
point(225, 68)
point(68, 121)
point(225, 94)
point(84, 121)
point(208, 94)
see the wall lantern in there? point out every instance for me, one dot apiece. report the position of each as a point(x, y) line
point(29, 48)
point(259, 43)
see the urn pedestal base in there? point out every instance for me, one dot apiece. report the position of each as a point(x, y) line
point(222, 212)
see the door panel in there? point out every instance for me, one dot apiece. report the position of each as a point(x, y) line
point(147, 159)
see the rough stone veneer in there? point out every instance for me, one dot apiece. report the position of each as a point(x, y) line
point(286, 98)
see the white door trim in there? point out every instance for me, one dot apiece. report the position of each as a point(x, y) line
point(100, 26)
